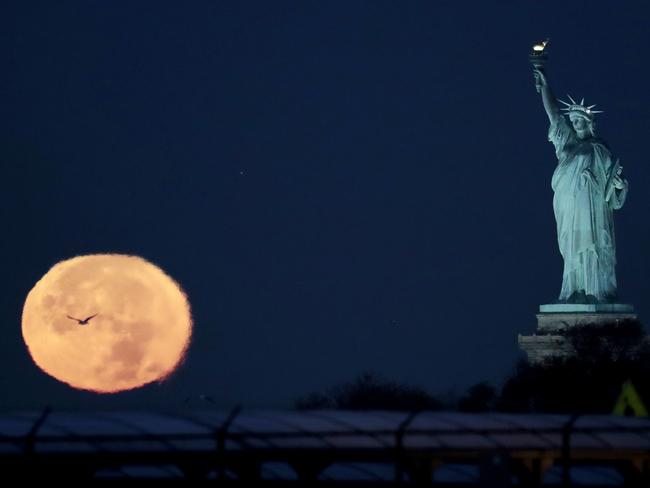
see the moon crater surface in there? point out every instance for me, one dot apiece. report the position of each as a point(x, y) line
point(140, 333)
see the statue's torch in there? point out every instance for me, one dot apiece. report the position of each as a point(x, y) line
point(538, 58)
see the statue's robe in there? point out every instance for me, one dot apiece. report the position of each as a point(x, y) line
point(585, 224)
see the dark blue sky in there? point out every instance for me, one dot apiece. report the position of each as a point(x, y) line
point(338, 186)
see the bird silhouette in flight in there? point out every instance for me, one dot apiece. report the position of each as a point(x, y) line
point(83, 321)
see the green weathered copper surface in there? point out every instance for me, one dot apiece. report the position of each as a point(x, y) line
point(588, 187)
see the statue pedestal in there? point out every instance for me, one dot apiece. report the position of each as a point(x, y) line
point(553, 319)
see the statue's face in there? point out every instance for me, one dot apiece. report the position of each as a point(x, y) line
point(580, 124)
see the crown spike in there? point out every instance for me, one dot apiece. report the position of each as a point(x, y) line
point(575, 107)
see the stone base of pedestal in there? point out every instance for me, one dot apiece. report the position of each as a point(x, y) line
point(541, 347)
point(555, 319)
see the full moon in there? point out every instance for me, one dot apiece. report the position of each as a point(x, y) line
point(107, 323)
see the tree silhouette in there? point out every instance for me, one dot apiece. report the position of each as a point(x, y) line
point(589, 379)
point(481, 397)
point(370, 392)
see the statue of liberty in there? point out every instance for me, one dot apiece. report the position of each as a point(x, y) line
point(588, 187)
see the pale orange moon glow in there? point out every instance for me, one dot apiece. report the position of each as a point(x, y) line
point(139, 335)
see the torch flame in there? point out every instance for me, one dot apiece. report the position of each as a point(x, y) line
point(540, 47)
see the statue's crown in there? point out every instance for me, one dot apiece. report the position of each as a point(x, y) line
point(575, 107)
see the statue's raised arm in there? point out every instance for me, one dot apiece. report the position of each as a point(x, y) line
point(550, 102)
